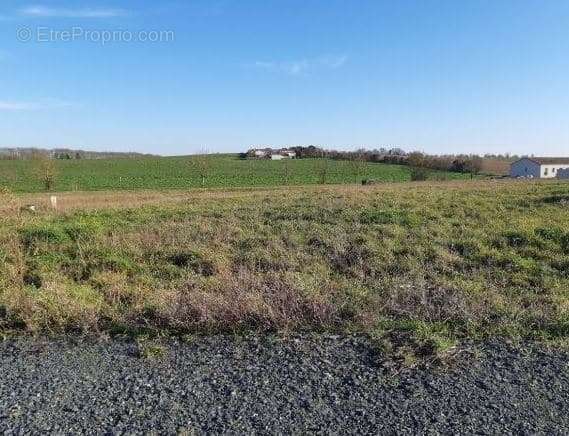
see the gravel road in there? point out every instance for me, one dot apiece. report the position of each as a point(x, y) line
point(325, 385)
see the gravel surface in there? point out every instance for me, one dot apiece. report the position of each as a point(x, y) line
point(327, 385)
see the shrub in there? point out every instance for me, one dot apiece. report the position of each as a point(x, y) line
point(419, 174)
point(550, 233)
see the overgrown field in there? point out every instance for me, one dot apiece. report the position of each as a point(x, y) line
point(221, 171)
point(436, 262)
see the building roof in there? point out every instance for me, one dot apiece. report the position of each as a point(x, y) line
point(548, 160)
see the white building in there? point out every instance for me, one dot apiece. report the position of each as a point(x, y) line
point(269, 153)
point(261, 153)
point(540, 167)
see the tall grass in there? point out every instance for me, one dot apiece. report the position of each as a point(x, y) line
point(442, 261)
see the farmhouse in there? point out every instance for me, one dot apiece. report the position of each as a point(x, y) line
point(283, 154)
point(261, 152)
point(540, 167)
point(268, 153)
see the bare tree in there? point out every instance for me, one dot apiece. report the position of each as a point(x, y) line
point(474, 166)
point(286, 171)
point(46, 171)
point(322, 171)
point(200, 164)
point(357, 163)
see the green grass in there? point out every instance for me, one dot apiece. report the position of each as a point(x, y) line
point(433, 263)
point(224, 171)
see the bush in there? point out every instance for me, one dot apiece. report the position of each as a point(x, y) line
point(419, 174)
point(550, 233)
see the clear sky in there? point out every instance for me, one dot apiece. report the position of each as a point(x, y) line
point(441, 76)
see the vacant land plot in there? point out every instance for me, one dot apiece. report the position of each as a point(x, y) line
point(221, 171)
point(435, 262)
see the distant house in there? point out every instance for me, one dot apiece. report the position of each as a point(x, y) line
point(268, 153)
point(540, 167)
point(260, 153)
point(289, 153)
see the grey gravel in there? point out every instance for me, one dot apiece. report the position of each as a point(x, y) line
point(263, 385)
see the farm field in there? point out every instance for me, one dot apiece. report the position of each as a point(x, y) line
point(435, 262)
point(221, 171)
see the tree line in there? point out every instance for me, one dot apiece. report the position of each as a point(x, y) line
point(469, 164)
point(63, 154)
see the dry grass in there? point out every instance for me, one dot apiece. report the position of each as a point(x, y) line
point(432, 261)
point(73, 201)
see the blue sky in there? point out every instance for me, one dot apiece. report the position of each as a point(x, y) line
point(441, 76)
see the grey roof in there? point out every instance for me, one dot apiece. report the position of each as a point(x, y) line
point(549, 160)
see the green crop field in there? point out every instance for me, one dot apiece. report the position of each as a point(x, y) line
point(221, 171)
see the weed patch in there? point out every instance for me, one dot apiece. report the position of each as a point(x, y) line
point(433, 265)
point(46, 234)
point(193, 261)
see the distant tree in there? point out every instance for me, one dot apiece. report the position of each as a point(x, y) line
point(286, 171)
point(397, 152)
point(357, 161)
point(474, 165)
point(200, 164)
point(458, 165)
point(46, 171)
point(416, 160)
point(419, 174)
point(308, 152)
point(322, 171)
